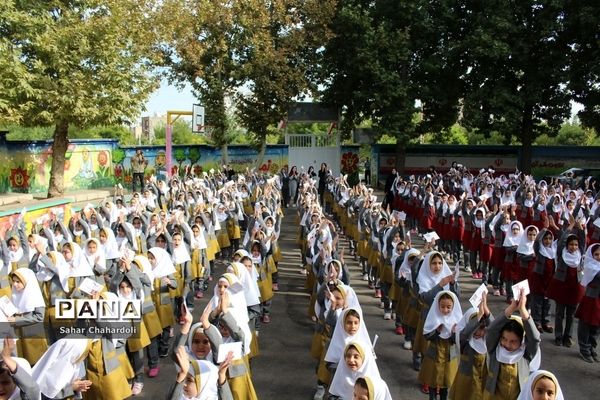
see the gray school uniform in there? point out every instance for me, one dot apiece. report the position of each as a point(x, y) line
point(29, 388)
point(532, 341)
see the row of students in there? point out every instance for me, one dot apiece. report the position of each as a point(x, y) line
point(513, 341)
point(512, 229)
point(136, 254)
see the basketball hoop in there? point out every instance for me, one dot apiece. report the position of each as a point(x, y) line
point(198, 119)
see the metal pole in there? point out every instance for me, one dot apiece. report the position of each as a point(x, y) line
point(168, 143)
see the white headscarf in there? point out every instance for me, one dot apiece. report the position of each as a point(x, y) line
point(164, 265)
point(435, 318)
point(511, 239)
point(548, 252)
point(30, 297)
point(145, 267)
point(248, 281)
point(111, 247)
point(340, 338)
point(427, 279)
point(37, 239)
point(525, 245)
point(344, 379)
point(62, 267)
point(405, 270)
point(591, 267)
point(91, 258)
point(571, 259)
point(180, 254)
point(197, 327)
point(60, 365)
point(237, 305)
point(478, 345)
point(378, 389)
point(511, 357)
point(206, 377)
point(79, 263)
point(527, 390)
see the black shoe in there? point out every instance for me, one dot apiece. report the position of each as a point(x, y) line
point(587, 358)
point(558, 341)
point(595, 357)
point(163, 354)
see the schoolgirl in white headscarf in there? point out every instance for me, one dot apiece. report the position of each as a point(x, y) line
point(358, 362)
point(61, 366)
point(31, 308)
point(345, 332)
point(541, 383)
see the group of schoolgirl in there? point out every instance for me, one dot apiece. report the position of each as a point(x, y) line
point(441, 334)
point(160, 248)
point(512, 229)
point(346, 366)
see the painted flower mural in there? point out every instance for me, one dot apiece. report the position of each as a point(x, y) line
point(19, 178)
point(103, 158)
point(349, 163)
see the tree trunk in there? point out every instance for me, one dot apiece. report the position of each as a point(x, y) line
point(59, 149)
point(261, 152)
point(224, 155)
point(526, 139)
point(400, 156)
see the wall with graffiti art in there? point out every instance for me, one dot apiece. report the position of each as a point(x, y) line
point(25, 165)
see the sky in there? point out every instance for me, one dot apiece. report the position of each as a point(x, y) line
point(169, 98)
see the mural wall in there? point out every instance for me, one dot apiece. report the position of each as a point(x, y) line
point(25, 165)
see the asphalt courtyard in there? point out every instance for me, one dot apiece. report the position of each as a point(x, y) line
point(285, 370)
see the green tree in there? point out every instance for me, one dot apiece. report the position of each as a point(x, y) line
point(388, 56)
point(181, 133)
point(203, 50)
point(284, 36)
point(575, 135)
point(84, 63)
point(582, 27)
point(518, 60)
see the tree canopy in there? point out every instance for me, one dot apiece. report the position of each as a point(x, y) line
point(78, 63)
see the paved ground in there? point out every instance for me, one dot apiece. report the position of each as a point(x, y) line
point(285, 370)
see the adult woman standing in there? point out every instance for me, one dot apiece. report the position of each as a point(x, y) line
point(293, 184)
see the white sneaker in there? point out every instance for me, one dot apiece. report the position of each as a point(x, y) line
point(319, 393)
point(137, 388)
point(365, 277)
point(407, 345)
point(387, 316)
point(381, 305)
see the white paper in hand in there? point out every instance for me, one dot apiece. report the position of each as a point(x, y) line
point(90, 286)
point(431, 237)
point(520, 287)
point(225, 348)
point(402, 216)
point(477, 297)
point(7, 307)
